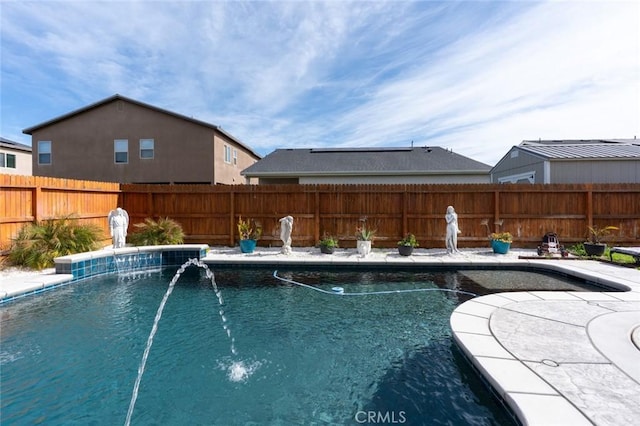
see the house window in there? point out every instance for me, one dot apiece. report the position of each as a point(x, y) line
point(227, 154)
point(235, 156)
point(7, 160)
point(121, 151)
point(11, 161)
point(146, 148)
point(44, 152)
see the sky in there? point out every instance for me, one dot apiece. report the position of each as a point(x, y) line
point(476, 77)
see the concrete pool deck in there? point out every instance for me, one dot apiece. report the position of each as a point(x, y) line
point(554, 357)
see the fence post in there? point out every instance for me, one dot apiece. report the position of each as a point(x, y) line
point(496, 210)
point(405, 201)
point(589, 195)
point(232, 213)
point(36, 207)
point(316, 213)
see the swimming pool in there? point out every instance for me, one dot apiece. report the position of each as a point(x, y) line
point(301, 356)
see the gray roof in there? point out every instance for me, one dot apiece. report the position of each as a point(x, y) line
point(115, 97)
point(364, 161)
point(6, 143)
point(579, 150)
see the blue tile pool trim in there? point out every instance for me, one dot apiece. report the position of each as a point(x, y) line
point(87, 265)
point(109, 262)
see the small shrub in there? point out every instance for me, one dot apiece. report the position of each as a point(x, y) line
point(328, 241)
point(409, 240)
point(577, 250)
point(37, 244)
point(164, 231)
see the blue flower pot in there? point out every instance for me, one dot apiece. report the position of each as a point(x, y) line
point(247, 246)
point(500, 247)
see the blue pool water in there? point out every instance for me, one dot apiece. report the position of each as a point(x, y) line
point(71, 356)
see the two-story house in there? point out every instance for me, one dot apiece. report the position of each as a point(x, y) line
point(123, 140)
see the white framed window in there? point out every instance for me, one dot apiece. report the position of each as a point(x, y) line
point(147, 148)
point(227, 154)
point(44, 152)
point(121, 151)
point(235, 157)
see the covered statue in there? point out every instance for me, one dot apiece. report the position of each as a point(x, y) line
point(118, 224)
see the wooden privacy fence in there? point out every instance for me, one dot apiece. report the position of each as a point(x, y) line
point(25, 199)
point(208, 214)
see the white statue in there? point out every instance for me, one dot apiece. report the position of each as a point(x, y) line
point(118, 224)
point(286, 226)
point(451, 240)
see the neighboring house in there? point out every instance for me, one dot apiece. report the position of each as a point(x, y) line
point(126, 141)
point(570, 161)
point(15, 158)
point(367, 165)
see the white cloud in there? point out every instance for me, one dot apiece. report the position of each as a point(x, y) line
point(477, 77)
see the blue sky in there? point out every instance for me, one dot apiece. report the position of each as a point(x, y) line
point(476, 77)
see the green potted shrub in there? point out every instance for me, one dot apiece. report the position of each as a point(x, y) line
point(407, 244)
point(594, 246)
point(328, 244)
point(249, 233)
point(501, 242)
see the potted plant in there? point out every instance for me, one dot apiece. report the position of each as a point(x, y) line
point(364, 238)
point(328, 244)
point(501, 242)
point(249, 233)
point(407, 244)
point(594, 246)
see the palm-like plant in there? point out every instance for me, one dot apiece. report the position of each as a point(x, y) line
point(596, 234)
point(37, 244)
point(164, 231)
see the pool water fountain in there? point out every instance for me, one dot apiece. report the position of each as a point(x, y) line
point(237, 370)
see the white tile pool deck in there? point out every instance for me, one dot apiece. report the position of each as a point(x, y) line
point(555, 357)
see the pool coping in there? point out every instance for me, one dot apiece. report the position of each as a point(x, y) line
point(538, 389)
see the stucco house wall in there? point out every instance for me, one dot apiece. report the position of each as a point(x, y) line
point(184, 150)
